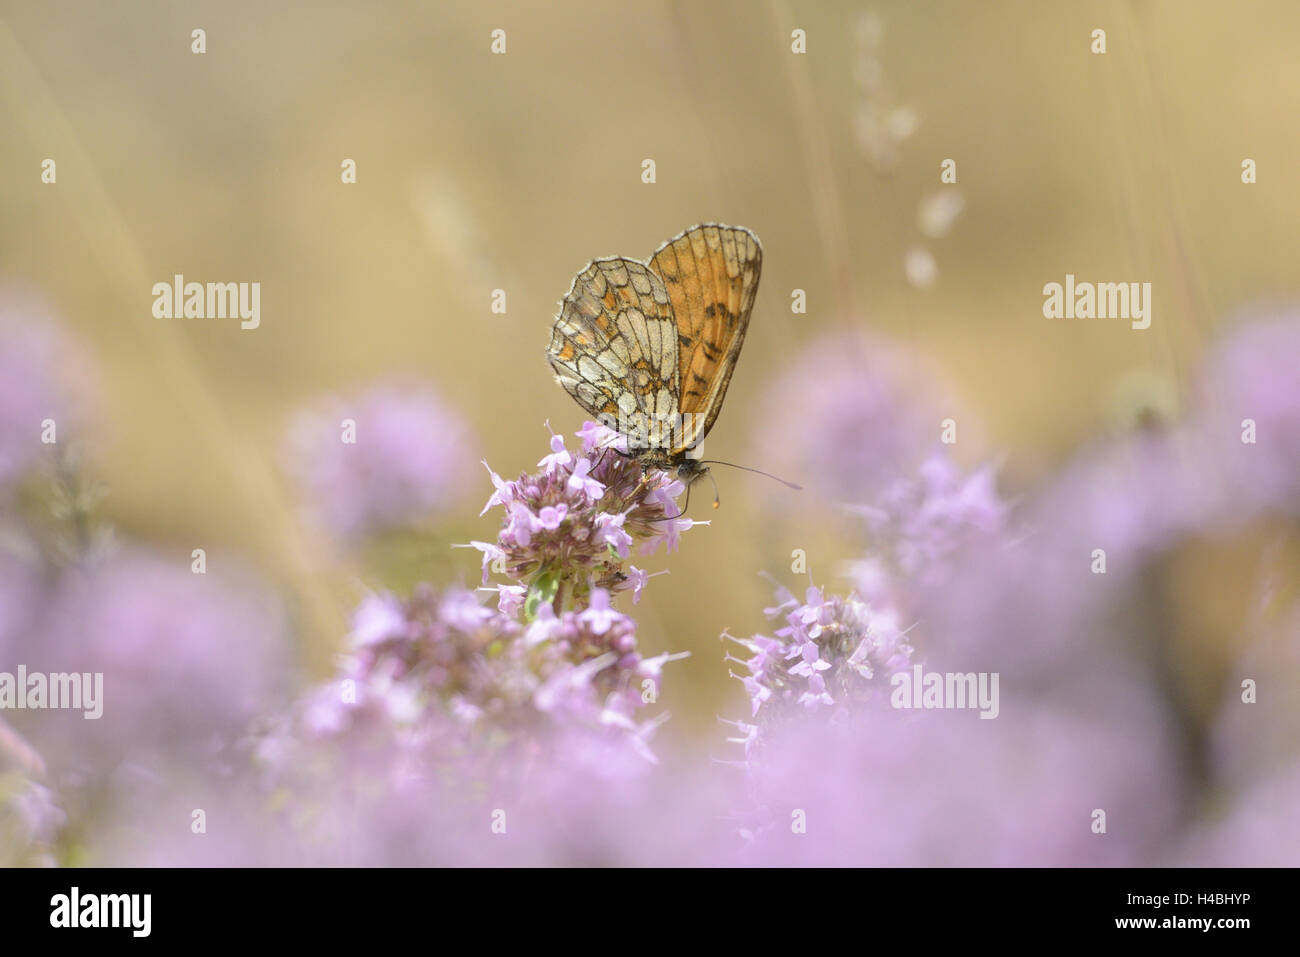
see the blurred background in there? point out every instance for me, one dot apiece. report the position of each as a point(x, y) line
point(477, 171)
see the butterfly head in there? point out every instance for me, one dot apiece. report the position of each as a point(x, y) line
point(691, 470)
point(687, 469)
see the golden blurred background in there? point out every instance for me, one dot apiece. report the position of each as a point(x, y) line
point(478, 171)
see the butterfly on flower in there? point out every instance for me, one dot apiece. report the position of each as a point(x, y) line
point(649, 348)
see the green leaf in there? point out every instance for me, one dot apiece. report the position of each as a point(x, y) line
point(541, 592)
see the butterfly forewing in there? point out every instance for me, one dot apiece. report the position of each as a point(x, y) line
point(711, 273)
point(614, 345)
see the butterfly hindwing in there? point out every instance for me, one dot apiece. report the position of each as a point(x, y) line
point(711, 274)
point(614, 345)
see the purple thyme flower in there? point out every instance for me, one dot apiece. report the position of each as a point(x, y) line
point(569, 528)
point(503, 493)
point(442, 698)
point(450, 668)
point(830, 651)
point(637, 579)
point(580, 481)
point(596, 437)
point(599, 616)
point(550, 517)
point(916, 525)
point(558, 458)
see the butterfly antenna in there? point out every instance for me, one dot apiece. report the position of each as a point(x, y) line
point(717, 500)
point(746, 468)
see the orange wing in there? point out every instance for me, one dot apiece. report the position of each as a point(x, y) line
point(711, 273)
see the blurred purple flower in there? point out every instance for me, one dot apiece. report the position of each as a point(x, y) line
point(42, 376)
point(1138, 495)
point(1254, 751)
point(152, 821)
point(406, 464)
point(1037, 607)
point(21, 592)
point(377, 618)
point(917, 524)
point(945, 788)
point(1257, 730)
point(1029, 599)
point(185, 658)
point(30, 821)
point(449, 675)
point(571, 796)
point(599, 616)
point(850, 416)
point(1251, 374)
point(1258, 828)
point(442, 700)
point(1134, 496)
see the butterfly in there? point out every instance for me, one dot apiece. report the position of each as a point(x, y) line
point(649, 348)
